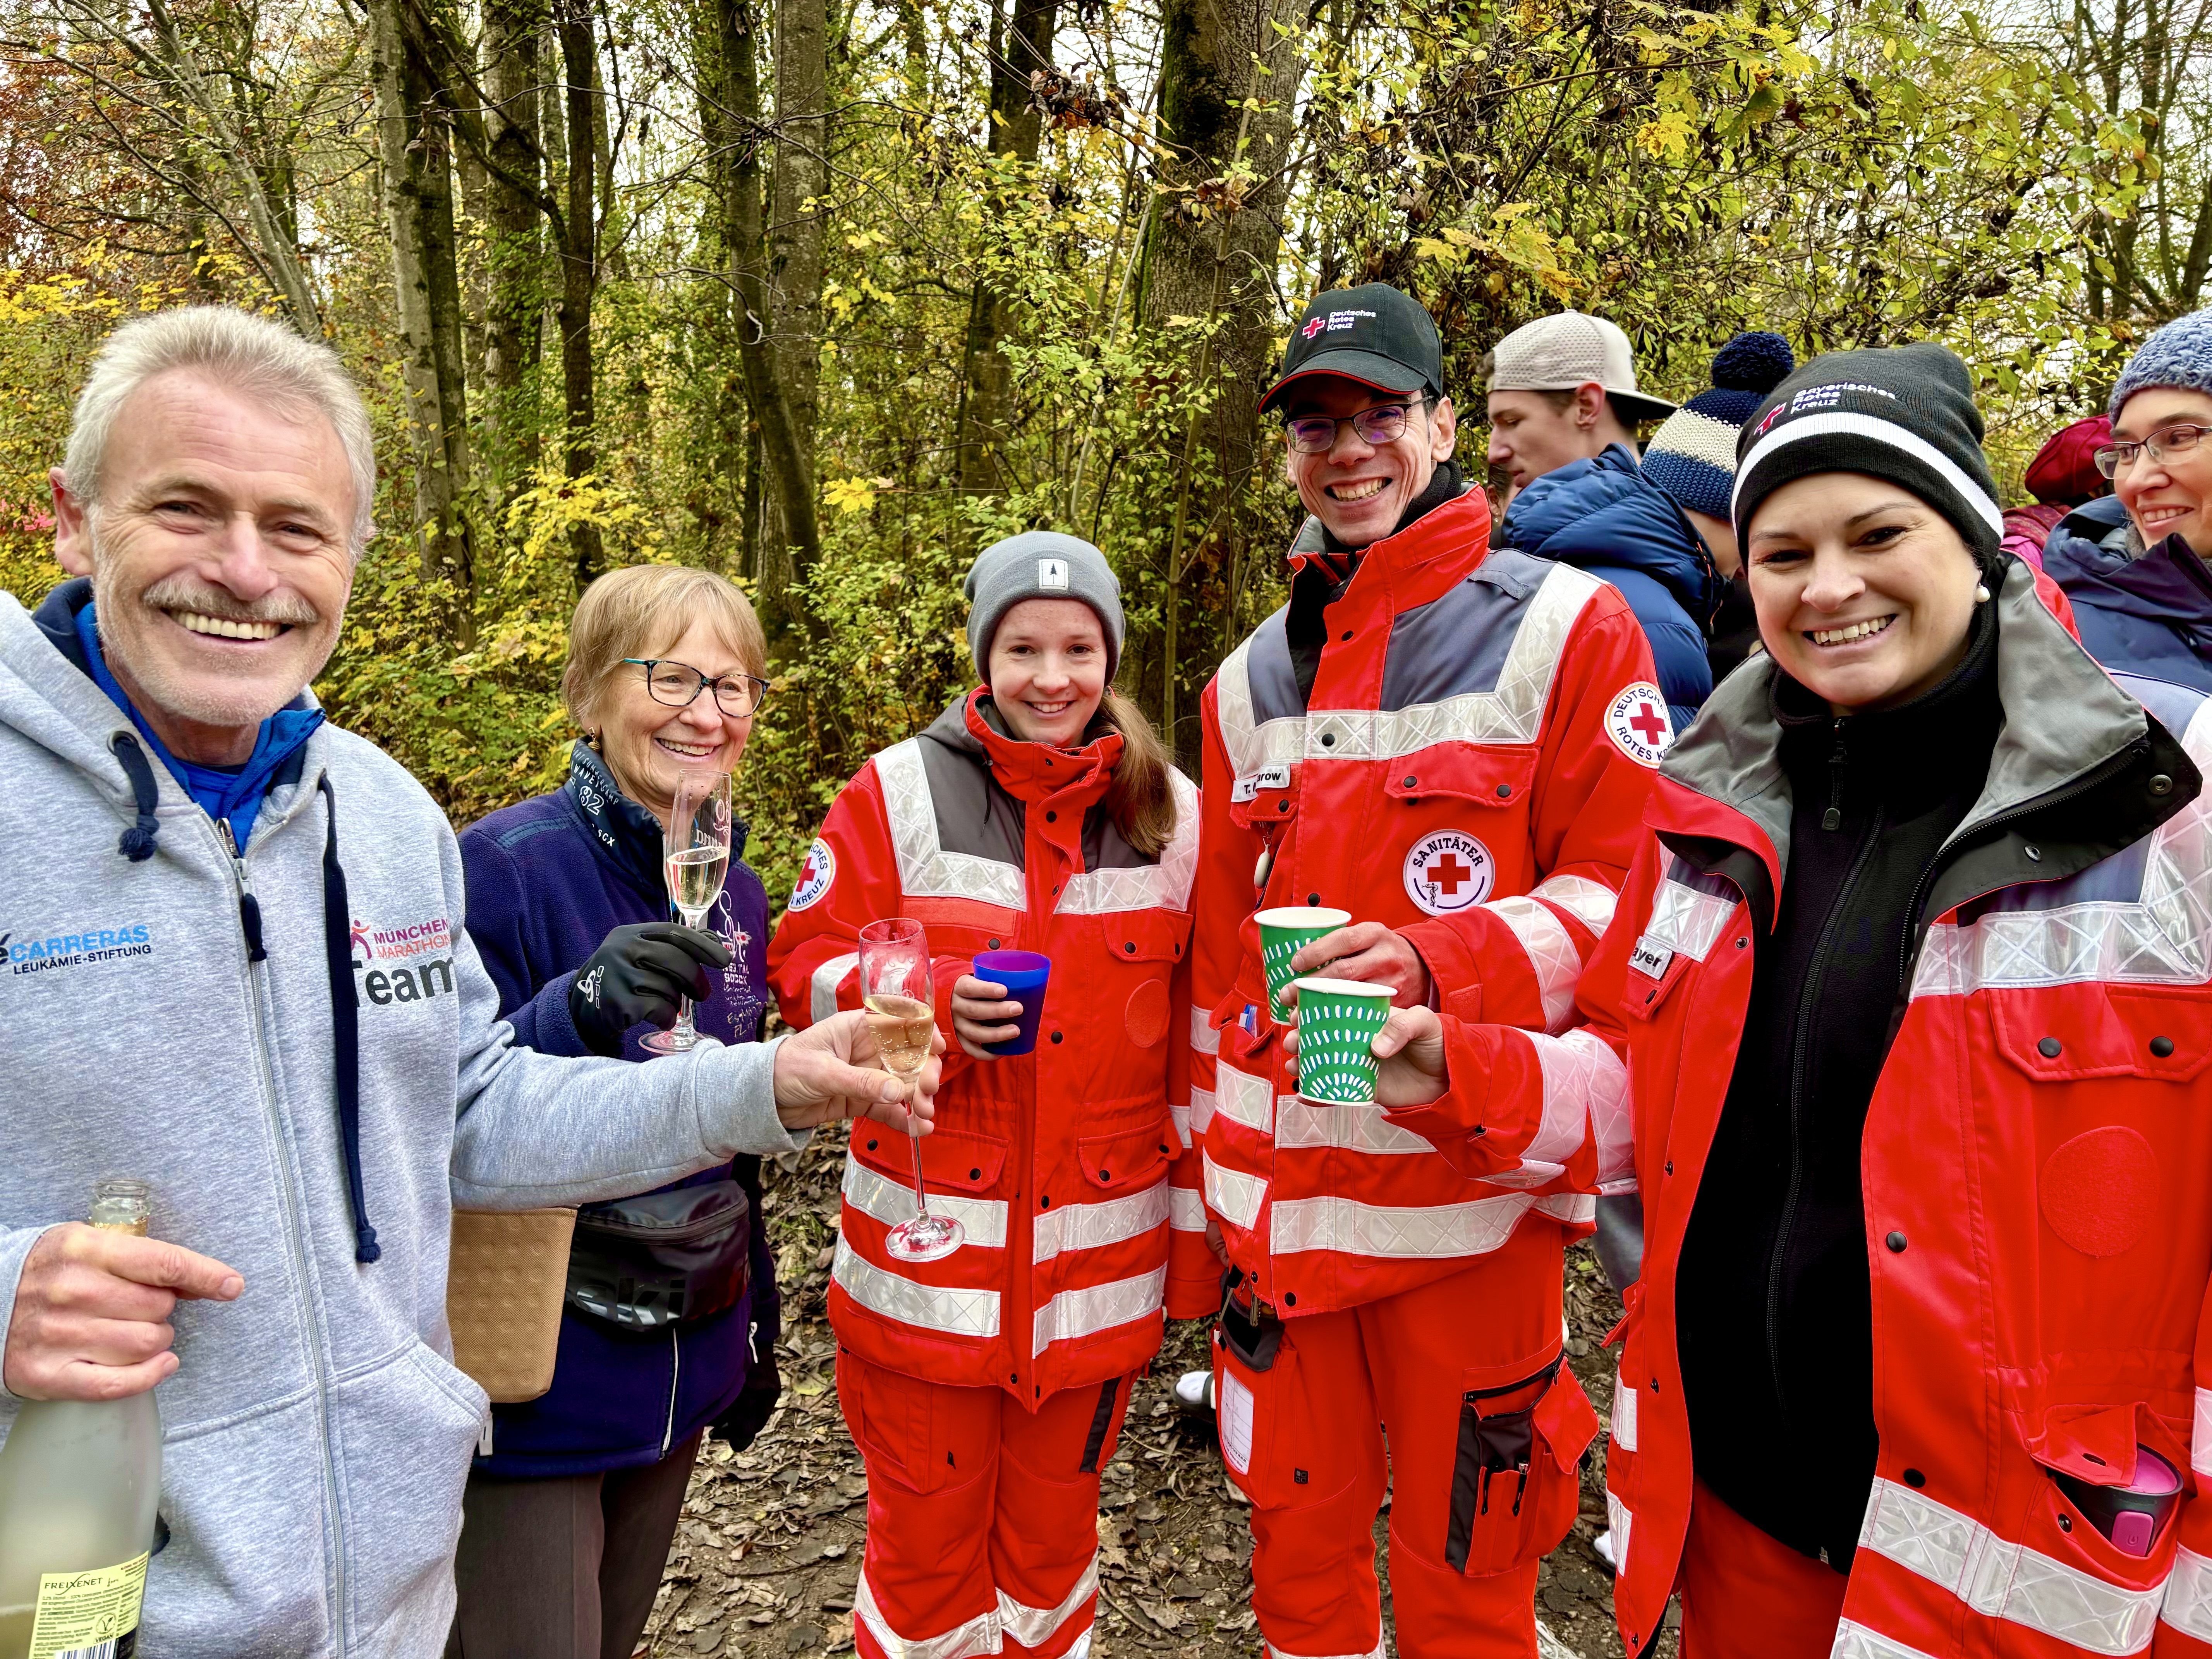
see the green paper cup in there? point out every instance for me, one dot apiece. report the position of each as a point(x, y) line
point(1338, 1022)
point(1282, 934)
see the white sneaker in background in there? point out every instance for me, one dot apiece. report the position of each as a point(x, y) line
point(1193, 1391)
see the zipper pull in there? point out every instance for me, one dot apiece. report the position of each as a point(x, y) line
point(1833, 817)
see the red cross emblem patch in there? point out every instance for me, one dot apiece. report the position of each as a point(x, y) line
point(815, 875)
point(1636, 722)
point(1448, 871)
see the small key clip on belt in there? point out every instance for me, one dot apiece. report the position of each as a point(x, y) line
point(1249, 1327)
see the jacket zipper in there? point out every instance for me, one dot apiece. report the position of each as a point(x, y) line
point(333, 1513)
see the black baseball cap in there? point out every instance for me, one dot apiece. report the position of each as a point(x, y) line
point(1373, 334)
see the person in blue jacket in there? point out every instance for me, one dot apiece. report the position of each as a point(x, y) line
point(1654, 529)
point(671, 1317)
point(2133, 562)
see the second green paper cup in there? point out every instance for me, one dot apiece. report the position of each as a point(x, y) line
point(1282, 934)
point(1337, 1020)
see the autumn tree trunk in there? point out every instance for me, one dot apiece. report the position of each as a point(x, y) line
point(415, 145)
point(986, 395)
point(513, 322)
point(579, 270)
point(1228, 83)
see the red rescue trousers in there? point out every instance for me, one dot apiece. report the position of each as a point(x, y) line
point(982, 1517)
point(1485, 1433)
point(1747, 1595)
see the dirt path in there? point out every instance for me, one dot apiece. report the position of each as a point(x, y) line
point(768, 1550)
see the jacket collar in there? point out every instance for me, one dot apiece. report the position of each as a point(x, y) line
point(1074, 779)
point(626, 834)
point(2069, 733)
point(1416, 564)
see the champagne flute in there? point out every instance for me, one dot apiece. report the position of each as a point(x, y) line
point(695, 857)
point(901, 1000)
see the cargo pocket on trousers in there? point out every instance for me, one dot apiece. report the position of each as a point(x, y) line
point(1262, 1413)
point(1515, 1480)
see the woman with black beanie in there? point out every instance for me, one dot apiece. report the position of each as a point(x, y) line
point(1908, 989)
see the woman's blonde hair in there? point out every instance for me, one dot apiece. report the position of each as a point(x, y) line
point(1141, 798)
point(643, 610)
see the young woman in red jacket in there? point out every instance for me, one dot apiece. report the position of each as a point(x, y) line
point(986, 1389)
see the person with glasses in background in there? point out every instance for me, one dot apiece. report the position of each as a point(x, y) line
point(574, 1496)
point(2133, 563)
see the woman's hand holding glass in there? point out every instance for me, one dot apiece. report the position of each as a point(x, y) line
point(982, 1014)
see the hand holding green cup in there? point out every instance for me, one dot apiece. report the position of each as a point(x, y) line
point(1339, 1020)
point(1283, 933)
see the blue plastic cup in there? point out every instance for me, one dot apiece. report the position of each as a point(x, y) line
point(1024, 972)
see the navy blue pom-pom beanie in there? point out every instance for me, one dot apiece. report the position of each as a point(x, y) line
point(2178, 354)
point(1693, 456)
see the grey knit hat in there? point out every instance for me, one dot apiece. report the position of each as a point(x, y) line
point(2178, 354)
point(1041, 564)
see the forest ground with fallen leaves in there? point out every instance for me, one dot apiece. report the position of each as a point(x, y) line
point(768, 1550)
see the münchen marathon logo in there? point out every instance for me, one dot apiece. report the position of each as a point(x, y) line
point(409, 963)
point(58, 952)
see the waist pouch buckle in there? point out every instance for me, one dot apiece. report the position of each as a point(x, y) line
point(645, 1264)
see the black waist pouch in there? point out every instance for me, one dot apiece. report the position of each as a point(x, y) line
point(644, 1264)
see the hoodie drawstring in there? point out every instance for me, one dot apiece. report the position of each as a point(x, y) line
point(137, 842)
point(345, 1022)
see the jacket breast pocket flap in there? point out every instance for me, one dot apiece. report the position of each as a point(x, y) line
point(1127, 1160)
point(1643, 992)
point(1146, 935)
point(1461, 771)
point(1268, 796)
point(959, 1163)
point(2067, 1032)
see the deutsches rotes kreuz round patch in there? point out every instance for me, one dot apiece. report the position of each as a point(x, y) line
point(1448, 871)
point(815, 875)
point(1636, 722)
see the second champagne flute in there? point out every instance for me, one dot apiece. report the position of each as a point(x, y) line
point(696, 858)
point(901, 1000)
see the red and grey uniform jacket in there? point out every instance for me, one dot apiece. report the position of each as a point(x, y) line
point(1062, 1165)
point(1470, 770)
point(2037, 1159)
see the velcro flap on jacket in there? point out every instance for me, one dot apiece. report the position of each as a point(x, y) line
point(1460, 771)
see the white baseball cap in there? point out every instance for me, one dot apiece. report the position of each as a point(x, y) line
point(1570, 348)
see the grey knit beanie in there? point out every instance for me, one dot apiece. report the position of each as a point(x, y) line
point(1041, 564)
point(2178, 354)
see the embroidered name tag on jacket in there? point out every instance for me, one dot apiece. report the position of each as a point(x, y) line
point(1277, 776)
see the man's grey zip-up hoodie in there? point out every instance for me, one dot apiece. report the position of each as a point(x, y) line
point(318, 1434)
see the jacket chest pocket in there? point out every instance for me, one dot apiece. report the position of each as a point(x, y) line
point(1126, 1160)
point(1263, 799)
point(1148, 945)
point(2064, 1033)
point(1455, 824)
point(963, 1163)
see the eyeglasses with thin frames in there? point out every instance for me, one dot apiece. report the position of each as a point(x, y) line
point(679, 684)
point(2177, 440)
point(1385, 423)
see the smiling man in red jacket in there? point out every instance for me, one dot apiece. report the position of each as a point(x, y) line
point(1453, 745)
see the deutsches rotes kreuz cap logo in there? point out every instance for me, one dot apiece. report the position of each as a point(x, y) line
point(815, 875)
point(1448, 871)
point(1636, 722)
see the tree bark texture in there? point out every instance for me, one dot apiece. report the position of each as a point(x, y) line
point(1228, 83)
point(579, 270)
point(987, 396)
point(415, 145)
point(801, 215)
point(513, 254)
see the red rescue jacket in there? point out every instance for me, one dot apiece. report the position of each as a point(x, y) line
point(2037, 1159)
point(1469, 770)
point(1062, 1165)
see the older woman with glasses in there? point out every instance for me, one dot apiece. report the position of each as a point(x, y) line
point(2133, 562)
point(671, 1320)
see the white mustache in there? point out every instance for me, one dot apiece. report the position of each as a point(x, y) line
point(183, 593)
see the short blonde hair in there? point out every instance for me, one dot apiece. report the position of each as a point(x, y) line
point(641, 611)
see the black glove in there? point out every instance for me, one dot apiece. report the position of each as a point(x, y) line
point(639, 973)
point(754, 1404)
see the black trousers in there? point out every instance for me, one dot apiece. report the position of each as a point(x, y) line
point(565, 1568)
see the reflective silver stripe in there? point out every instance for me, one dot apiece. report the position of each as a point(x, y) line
point(827, 978)
point(1622, 1520)
point(925, 869)
point(1576, 1209)
point(978, 1635)
point(1624, 1413)
point(1034, 1626)
point(934, 1308)
point(873, 1193)
point(1202, 1110)
point(1097, 1308)
point(1553, 957)
point(1162, 886)
point(2200, 1439)
point(1180, 1116)
point(1353, 1128)
point(1858, 1641)
point(1203, 1037)
point(1591, 902)
point(1242, 1099)
point(1088, 1226)
point(1436, 1230)
point(2188, 1606)
point(2004, 1580)
point(1233, 1196)
point(1685, 920)
point(1579, 1069)
point(1186, 1209)
point(1511, 713)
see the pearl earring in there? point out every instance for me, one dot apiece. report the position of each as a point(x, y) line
point(1981, 594)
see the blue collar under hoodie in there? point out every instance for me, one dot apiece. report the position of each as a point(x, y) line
point(2148, 612)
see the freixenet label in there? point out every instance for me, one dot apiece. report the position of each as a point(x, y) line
point(91, 1612)
point(58, 952)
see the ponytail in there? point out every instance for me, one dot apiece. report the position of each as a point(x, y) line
point(1141, 798)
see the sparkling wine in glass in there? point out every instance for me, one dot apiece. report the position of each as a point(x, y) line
point(695, 857)
point(900, 1001)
